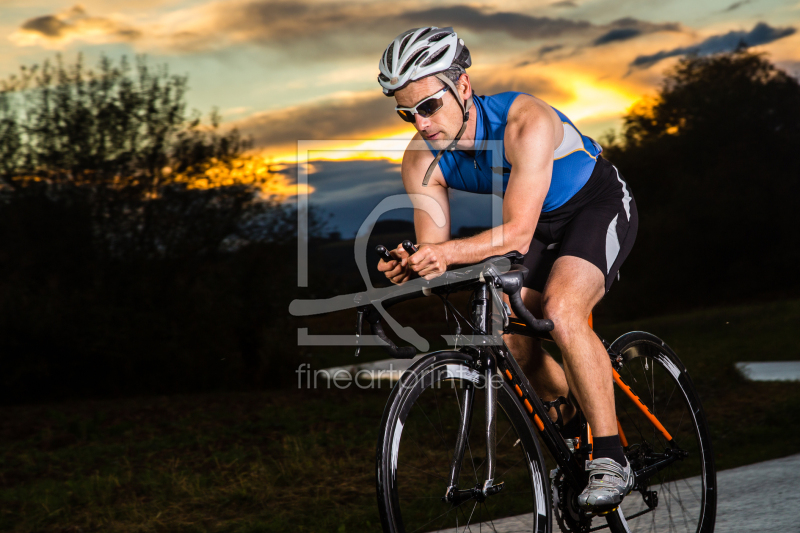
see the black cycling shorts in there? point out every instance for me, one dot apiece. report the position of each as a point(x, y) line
point(598, 224)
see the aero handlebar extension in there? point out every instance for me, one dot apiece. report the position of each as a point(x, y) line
point(509, 282)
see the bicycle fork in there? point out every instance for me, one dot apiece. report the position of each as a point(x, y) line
point(479, 492)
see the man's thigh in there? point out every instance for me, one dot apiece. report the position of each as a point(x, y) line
point(573, 289)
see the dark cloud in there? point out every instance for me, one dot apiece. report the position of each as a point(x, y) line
point(644, 26)
point(539, 54)
point(628, 28)
point(49, 26)
point(761, 34)
point(565, 3)
point(517, 25)
point(618, 34)
point(270, 20)
point(736, 5)
point(76, 22)
point(551, 48)
point(327, 26)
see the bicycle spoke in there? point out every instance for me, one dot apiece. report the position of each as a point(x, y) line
point(456, 508)
point(418, 405)
point(427, 473)
point(489, 517)
point(439, 411)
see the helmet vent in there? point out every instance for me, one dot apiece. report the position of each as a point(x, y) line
point(404, 42)
point(423, 35)
point(413, 59)
point(389, 54)
point(436, 56)
point(438, 37)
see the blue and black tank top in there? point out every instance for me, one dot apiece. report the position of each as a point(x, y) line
point(574, 159)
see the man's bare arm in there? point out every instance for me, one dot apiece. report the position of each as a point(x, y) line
point(415, 164)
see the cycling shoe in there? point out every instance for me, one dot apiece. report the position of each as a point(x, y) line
point(609, 482)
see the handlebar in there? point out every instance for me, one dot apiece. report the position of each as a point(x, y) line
point(509, 282)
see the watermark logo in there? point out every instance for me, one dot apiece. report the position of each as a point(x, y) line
point(443, 376)
point(374, 295)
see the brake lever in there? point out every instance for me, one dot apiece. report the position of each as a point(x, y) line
point(359, 321)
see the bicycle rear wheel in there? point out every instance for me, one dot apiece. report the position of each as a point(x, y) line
point(416, 445)
point(681, 496)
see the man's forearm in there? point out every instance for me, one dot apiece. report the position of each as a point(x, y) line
point(474, 249)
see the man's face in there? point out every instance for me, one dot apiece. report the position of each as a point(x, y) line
point(440, 128)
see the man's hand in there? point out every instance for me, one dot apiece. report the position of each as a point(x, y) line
point(397, 270)
point(429, 261)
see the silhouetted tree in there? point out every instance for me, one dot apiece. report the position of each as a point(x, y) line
point(713, 164)
point(118, 142)
point(140, 250)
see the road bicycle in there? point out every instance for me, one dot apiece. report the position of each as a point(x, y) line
point(460, 443)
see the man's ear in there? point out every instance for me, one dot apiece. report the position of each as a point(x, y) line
point(464, 86)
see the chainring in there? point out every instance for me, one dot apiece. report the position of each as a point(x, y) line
point(565, 507)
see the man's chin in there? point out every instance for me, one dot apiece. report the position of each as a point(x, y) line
point(440, 143)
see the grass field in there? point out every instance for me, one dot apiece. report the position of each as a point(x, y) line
point(300, 460)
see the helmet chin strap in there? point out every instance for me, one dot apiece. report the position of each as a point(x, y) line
point(465, 107)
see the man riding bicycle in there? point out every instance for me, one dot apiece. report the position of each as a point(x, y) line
point(564, 206)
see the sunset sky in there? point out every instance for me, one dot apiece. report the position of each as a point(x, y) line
point(284, 71)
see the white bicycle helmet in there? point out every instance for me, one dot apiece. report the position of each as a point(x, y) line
point(422, 52)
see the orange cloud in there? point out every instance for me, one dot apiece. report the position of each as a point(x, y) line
point(254, 171)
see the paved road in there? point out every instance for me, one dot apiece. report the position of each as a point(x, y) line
point(762, 498)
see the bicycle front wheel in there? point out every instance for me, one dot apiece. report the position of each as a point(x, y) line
point(418, 437)
point(681, 495)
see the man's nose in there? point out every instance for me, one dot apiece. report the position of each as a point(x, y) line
point(421, 122)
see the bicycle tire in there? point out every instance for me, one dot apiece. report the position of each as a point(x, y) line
point(416, 443)
point(687, 489)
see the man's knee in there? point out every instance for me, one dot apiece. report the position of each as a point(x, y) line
point(566, 316)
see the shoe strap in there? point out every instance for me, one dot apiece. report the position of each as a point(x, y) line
point(605, 466)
